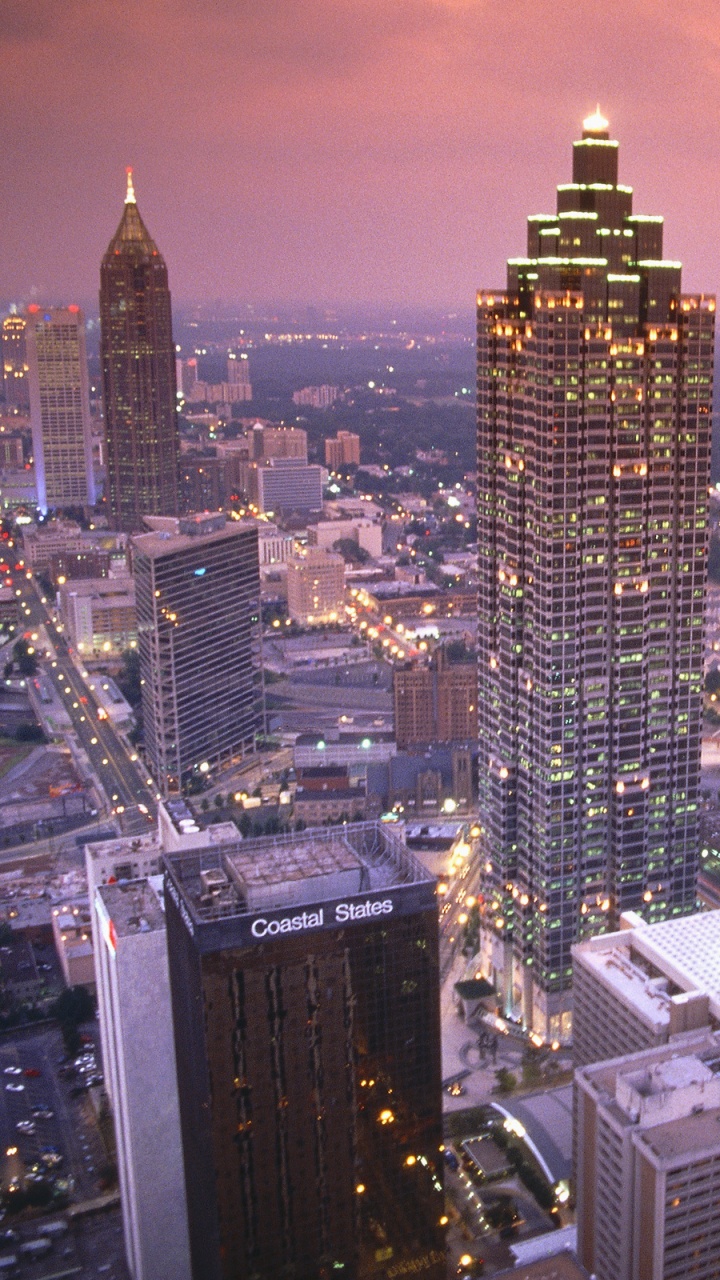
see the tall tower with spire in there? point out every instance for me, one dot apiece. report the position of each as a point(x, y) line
point(594, 408)
point(138, 373)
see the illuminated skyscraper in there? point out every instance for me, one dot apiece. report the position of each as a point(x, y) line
point(59, 407)
point(138, 372)
point(14, 360)
point(594, 394)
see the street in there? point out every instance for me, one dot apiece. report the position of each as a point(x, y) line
point(108, 757)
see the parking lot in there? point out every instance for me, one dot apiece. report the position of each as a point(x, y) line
point(49, 1140)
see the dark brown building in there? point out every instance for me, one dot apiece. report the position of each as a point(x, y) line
point(305, 988)
point(435, 702)
point(138, 375)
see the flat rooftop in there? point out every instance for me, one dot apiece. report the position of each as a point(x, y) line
point(688, 1136)
point(307, 858)
point(647, 964)
point(282, 871)
point(134, 907)
point(170, 540)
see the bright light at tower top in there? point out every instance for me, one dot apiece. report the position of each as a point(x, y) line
point(130, 193)
point(596, 123)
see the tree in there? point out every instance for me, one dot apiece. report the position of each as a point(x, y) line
point(29, 733)
point(74, 1004)
point(350, 550)
point(506, 1081)
point(129, 678)
point(25, 661)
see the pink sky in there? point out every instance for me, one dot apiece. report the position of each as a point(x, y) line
point(342, 150)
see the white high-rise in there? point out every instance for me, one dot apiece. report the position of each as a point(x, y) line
point(59, 407)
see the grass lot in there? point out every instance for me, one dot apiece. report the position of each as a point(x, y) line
point(12, 752)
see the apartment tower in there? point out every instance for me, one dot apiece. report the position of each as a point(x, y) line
point(594, 396)
point(59, 407)
point(138, 375)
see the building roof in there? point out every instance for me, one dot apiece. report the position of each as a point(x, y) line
point(648, 964)
point(276, 872)
point(167, 538)
point(135, 906)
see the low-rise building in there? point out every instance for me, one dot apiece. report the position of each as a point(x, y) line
point(72, 935)
point(367, 534)
point(99, 615)
point(645, 984)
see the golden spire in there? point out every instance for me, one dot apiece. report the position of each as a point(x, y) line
point(130, 194)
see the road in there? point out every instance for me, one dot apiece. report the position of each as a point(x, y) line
point(462, 884)
point(117, 770)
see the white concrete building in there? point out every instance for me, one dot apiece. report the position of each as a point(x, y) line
point(648, 1173)
point(643, 985)
point(366, 533)
point(134, 998)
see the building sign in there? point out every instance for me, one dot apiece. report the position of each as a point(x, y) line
point(243, 930)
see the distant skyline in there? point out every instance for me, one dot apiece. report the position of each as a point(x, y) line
point(335, 151)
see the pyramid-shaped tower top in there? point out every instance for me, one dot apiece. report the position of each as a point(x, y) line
point(132, 236)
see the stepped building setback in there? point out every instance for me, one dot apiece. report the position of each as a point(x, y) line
point(594, 398)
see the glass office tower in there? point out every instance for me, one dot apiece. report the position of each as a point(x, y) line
point(594, 401)
point(305, 988)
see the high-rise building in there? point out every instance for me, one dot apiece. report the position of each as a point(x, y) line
point(316, 587)
point(435, 701)
point(594, 395)
point(343, 450)
point(131, 964)
point(138, 375)
point(648, 1169)
point(59, 407)
point(238, 370)
point(305, 989)
point(197, 588)
point(14, 362)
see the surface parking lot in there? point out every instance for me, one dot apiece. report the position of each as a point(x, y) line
point(58, 1132)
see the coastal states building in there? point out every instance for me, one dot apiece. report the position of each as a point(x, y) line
point(305, 990)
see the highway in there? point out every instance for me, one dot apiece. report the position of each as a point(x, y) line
point(118, 772)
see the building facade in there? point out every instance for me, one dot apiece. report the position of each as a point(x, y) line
point(648, 1172)
point(306, 968)
point(594, 395)
point(59, 407)
point(138, 375)
point(197, 587)
point(14, 362)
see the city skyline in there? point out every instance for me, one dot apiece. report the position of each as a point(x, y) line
point(247, 150)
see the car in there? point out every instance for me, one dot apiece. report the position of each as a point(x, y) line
point(25, 1126)
point(456, 1090)
point(51, 1159)
point(13, 1071)
point(33, 1073)
point(42, 1113)
point(14, 1088)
